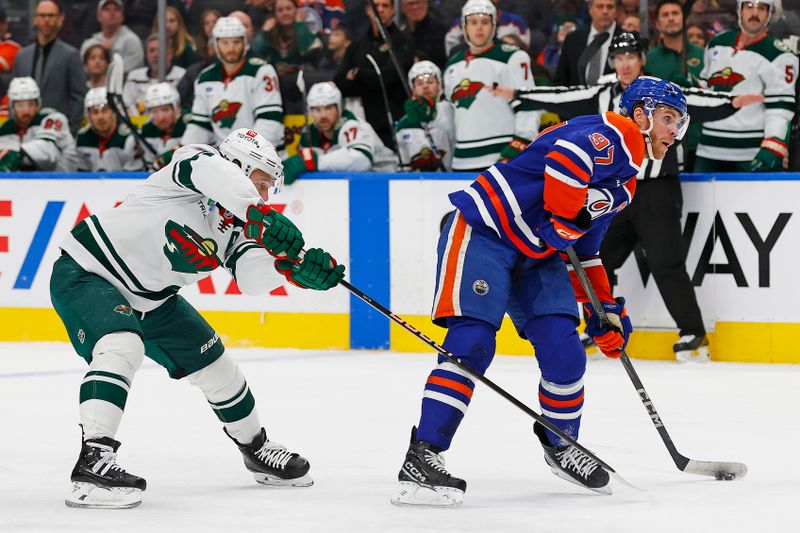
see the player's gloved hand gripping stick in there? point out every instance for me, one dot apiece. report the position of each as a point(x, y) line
point(720, 470)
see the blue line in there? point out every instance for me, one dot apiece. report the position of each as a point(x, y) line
point(369, 262)
point(38, 245)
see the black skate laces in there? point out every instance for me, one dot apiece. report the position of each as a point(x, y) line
point(436, 460)
point(274, 455)
point(577, 461)
point(107, 460)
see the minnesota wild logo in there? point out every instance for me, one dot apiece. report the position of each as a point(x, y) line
point(187, 251)
point(123, 310)
point(465, 92)
point(724, 79)
point(225, 113)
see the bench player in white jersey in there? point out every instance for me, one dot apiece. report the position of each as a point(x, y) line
point(236, 92)
point(166, 126)
point(104, 144)
point(34, 138)
point(340, 141)
point(426, 110)
point(116, 284)
point(488, 128)
point(755, 138)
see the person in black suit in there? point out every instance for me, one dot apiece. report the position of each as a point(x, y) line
point(585, 52)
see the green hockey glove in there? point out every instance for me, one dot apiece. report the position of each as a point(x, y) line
point(517, 145)
point(305, 160)
point(418, 110)
point(10, 161)
point(164, 159)
point(273, 231)
point(317, 270)
point(770, 157)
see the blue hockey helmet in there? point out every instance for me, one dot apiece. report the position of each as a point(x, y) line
point(651, 92)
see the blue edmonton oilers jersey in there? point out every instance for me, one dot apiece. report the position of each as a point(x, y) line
point(589, 161)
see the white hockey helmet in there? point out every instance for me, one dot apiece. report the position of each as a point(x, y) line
point(423, 68)
point(253, 151)
point(478, 7)
point(21, 89)
point(769, 3)
point(162, 94)
point(95, 97)
point(229, 27)
point(324, 93)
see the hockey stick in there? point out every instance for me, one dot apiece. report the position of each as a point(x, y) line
point(396, 64)
point(718, 469)
point(114, 89)
point(386, 105)
point(479, 377)
point(301, 84)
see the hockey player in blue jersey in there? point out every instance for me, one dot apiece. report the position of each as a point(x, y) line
point(499, 253)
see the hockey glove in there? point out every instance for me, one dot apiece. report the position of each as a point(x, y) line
point(559, 232)
point(771, 155)
point(164, 159)
point(317, 270)
point(10, 161)
point(273, 231)
point(611, 340)
point(418, 110)
point(305, 160)
point(517, 145)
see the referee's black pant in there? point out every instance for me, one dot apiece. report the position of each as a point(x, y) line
point(653, 220)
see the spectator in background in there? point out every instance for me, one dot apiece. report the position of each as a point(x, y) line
point(96, 59)
point(357, 77)
point(203, 39)
point(55, 65)
point(548, 58)
point(289, 44)
point(325, 14)
point(196, 8)
point(141, 78)
point(139, 15)
point(507, 23)
point(115, 36)
point(8, 47)
point(584, 56)
point(697, 33)
point(338, 42)
point(625, 9)
point(426, 30)
point(711, 13)
point(260, 11)
point(631, 23)
point(104, 144)
point(184, 52)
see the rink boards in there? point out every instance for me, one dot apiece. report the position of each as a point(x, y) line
point(741, 230)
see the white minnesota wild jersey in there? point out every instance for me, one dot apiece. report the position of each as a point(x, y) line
point(160, 140)
point(415, 149)
point(766, 67)
point(249, 98)
point(116, 153)
point(354, 147)
point(485, 124)
point(47, 141)
point(173, 230)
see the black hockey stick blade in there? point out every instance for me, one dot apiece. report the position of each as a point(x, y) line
point(720, 470)
point(486, 381)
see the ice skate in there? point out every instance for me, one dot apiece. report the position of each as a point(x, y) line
point(98, 482)
point(271, 464)
point(571, 464)
point(424, 481)
point(692, 348)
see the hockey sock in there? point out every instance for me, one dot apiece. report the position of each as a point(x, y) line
point(230, 398)
point(448, 390)
point(562, 361)
point(115, 359)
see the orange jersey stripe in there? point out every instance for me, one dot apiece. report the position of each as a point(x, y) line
point(562, 199)
point(451, 384)
point(570, 164)
point(560, 403)
point(631, 135)
point(501, 212)
point(445, 306)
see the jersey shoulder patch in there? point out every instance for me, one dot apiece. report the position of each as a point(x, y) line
point(726, 38)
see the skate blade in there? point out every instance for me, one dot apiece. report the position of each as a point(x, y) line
point(412, 495)
point(274, 481)
point(700, 355)
point(89, 496)
point(566, 477)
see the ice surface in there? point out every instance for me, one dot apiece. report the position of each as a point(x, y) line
point(350, 413)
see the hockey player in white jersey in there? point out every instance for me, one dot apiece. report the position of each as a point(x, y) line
point(166, 126)
point(339, 140)
point(34, 138)
point(426, 110)
point(235, 92)
point(488, 128)
point(755, 138)
point(116, 284)
point(104, 144)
